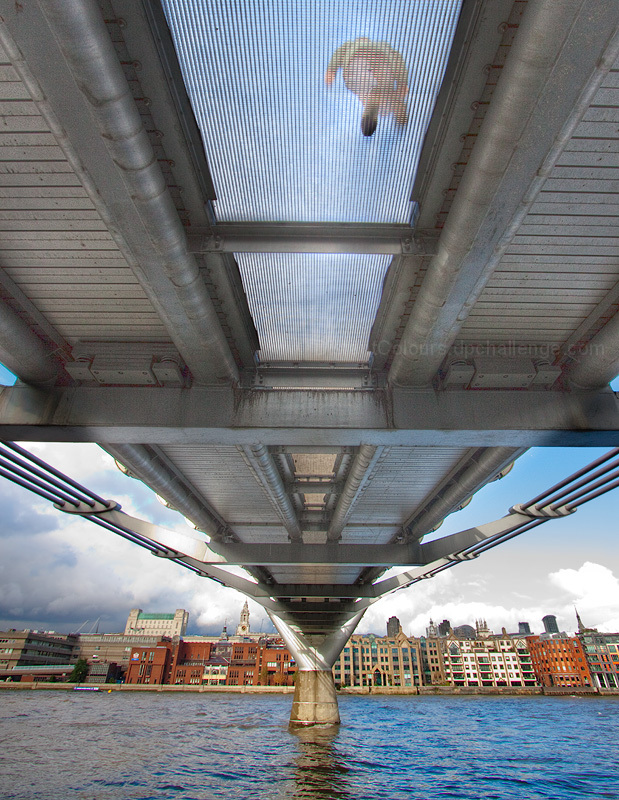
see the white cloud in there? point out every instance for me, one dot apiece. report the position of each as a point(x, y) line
point(594, 590)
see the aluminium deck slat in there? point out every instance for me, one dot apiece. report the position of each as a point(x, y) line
point(46, 203)
point(76, 265)
point(560, 250)
point(574, 241)
point(51, 225)
point(18, 107)
point(56, 238)
point(589, 232)
point(45, 296)
point(580, 198)
point(27, 139)
point(592, 186)
point(533, 294)
point(120, 303)
point(611, 79)
point(587, 145)
point(13, 90)
point(29, 123)
point(601, 113)
point(565, 290)
point(590, 172)
point(548, 262)
point(32, 153)
point(77, 316)
point(596, 130)
point(35, 167)
point(95, 246)
point(43, 215)
point(16, 193)
point(86, 273)
point(544, 310)
point(498, 331)
point(34, 179)
point(583, 158)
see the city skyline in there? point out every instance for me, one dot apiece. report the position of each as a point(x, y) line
point(60, 571)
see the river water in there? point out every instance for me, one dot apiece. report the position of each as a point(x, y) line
point(122, 746)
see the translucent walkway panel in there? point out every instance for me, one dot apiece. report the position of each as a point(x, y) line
point(278, 88)
point(313, 307)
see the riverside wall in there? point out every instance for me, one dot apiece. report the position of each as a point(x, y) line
point(349, 690)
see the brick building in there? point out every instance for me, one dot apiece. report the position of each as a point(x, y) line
point(559, 660)
point(110, 648)
point(177, 662)
point(433, 667)
point(151, 665)
point(263, 663)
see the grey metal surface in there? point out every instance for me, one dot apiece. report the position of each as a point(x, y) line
point(516, 247)
point(399, 485)
point(54, 245)
point(323, 419)
point(220, 472)
point(513, 152)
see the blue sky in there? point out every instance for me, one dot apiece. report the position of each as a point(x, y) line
point(57, 571)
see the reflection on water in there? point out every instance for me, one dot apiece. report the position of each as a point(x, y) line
point(319, 769)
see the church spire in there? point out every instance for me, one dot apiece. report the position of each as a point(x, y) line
point(243, 626)
point(581, 627)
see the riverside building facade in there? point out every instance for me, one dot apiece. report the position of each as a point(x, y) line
point(264, 663)
point(489, 661)
point(559, 660)
point(111, 648)
point(32, 655)
point(369, 660)
point(602, 653)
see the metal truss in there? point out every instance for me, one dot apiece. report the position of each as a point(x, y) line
point(310, 608)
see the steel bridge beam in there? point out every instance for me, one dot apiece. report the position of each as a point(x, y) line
point(252, 237)
point(221, 415)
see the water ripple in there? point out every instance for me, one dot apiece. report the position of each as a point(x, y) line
point(187, 747)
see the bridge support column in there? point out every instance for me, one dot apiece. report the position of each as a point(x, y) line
point(315, 698)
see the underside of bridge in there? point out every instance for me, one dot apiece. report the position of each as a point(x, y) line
point(313, 339)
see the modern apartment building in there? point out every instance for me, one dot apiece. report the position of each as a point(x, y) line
point(21, 651)
point(602, 653)
point(489, 661)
